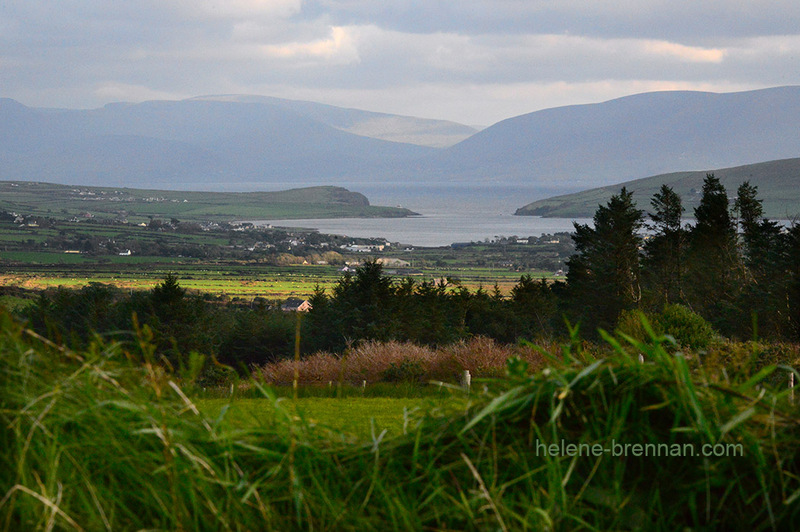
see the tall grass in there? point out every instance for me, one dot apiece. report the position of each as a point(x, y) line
point(105, 440)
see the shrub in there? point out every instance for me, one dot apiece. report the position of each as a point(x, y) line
point(740, 360)
point(630, 323)
point(482, 356)
point(405, 371)
point(215, 374)
point(689, 329)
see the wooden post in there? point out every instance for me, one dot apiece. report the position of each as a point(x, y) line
point(296, 356)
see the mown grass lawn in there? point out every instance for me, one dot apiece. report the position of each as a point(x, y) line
point(356, 418)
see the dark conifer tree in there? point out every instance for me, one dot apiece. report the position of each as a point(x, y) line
point(758, 235)
point(603, 274)
point(748, 209)
point(367, 300)
point(664, 250)
point(323, 327)
point(182, 322)
point(792, 289)
point(533, 307)
point(761, 244)
point(713, 272)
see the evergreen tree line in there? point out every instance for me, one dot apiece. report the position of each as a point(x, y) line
point(365, 305)
point(174, 321)
point(369, 305)
point(732, 266)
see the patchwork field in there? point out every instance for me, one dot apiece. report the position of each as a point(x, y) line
point(246, 281)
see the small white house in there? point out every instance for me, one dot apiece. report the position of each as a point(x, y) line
point(294, 304)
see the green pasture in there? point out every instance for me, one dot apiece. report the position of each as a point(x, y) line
point(59, 257)
point(39, 268)
point(23, 235)
point(354, 418)
point(45, 257)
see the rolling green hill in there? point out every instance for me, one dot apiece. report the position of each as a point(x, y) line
point(778, 185)
point(65, 201)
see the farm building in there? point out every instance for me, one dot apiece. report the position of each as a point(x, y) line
point(294, 304)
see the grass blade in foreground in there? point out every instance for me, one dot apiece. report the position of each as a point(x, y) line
point(92, 441)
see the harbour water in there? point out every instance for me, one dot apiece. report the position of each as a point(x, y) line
point(446, 216)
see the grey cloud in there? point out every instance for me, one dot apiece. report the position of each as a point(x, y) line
point(501, 55)
point(683, 19)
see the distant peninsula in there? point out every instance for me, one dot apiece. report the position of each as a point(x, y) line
point(778, 185)
point(131, 204)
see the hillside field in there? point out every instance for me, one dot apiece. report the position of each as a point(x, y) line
point(140, 205)
point(778, 185)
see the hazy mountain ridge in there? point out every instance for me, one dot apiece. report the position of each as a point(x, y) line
point(187, 144)
point(252, 143)
point(645, 134)
point(778, 186)
point(383, 126)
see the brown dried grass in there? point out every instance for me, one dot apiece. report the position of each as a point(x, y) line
point(369, 361)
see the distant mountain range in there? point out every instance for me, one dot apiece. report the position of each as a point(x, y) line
point(778, 186)
point(584, 146)
point(257, 143)
point(193, 144)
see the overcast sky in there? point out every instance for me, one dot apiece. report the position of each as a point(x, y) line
point(472, 61)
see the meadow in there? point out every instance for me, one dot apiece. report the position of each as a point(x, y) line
point(104, 439)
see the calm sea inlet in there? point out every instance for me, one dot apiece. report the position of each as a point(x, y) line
point(447, 215)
